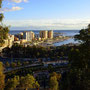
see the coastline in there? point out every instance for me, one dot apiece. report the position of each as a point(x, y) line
point(52, 42)
point(60, 40)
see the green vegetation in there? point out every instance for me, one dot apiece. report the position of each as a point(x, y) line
point(84, 35)
point(22, 83)
point(1, 15)
point(28, 82)
point(2, 77)
point(19, 51)
point(54, 81)
point(3, 34)
point(12, 83)
point(78, 76)
point(3, 29)
point(16, 82)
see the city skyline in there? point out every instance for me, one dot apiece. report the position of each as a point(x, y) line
point(46, 14)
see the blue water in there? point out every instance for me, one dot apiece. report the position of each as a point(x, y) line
point(66, 42)
point(64, 33)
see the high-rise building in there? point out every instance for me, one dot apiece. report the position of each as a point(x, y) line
point(44, 34)
point(28, 35)
point(50, 34)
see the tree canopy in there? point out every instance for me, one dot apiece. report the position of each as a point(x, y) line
point(1, 14)
point(3, 29)
point(84, 35)
point(79, 74)
point(12, 83)
point(53, 83)
point(28, 82)
point(2, 76)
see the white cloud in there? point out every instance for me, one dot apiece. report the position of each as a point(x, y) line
point(18, 1)
point(55, 24)
point(16, 8)
point(10, 9)
point(25, 0)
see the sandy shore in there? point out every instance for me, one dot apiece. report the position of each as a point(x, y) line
point(51, 42)
point(59, 40)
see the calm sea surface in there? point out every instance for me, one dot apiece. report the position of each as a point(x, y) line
point(64, 33)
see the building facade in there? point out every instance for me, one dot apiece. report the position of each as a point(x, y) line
point(29, 36)
point(44, 34)
point(50, 34)
point(10, 40)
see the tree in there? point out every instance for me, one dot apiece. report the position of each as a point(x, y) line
point(84, 35)
point(7, 64)
point(1, 15)
point(13, 64)
point(3, 29)
point(79, 74)
point(58, 76)
point(19, 64)
point(28, 82)
point(53, 83)
point(12, 83)
point(2, 77)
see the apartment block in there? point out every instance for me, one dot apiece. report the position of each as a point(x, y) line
point(50, 34)
point(44, 34)
point(28, 35)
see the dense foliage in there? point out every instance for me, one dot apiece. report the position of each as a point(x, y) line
point(19, 51)
point(3, 34)
point(78, 77)
point(3, 29)
point(22, 83)
point(16, 82)
point(2, 77)
point(1, 15)
point(54, 81)
point(84, 35)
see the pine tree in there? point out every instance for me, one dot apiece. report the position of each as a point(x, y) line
point(12, 83)
point(79, 75)
point(2, 76)
point(28, 82)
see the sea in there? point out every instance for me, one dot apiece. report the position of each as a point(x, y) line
point(71, 33)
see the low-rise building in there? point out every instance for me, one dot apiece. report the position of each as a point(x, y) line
point(23, 41)
point(8, 42)
point(18, 42)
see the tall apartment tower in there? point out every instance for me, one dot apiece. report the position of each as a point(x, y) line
point(29, 35)
point(44, 34)
point(50, 34)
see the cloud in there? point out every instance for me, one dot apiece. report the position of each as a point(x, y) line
point(10, 9)
point(18, 1)
point(25, 0)
point(55, 24)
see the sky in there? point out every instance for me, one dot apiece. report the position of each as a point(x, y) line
point(46, 14)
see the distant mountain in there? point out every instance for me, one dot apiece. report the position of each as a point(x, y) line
point(40, 28)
